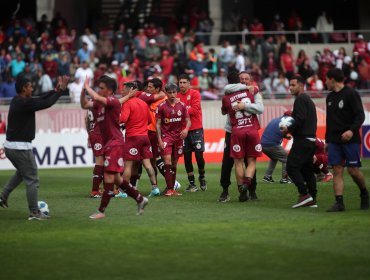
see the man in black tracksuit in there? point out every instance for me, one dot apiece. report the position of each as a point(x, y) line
point(19, 135)
point(303, 130)
point(344, 118)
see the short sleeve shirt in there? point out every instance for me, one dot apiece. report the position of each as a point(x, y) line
point(172, 119)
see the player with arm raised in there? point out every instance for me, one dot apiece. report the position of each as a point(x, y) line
point(113, 145)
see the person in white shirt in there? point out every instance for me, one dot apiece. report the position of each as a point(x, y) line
point(45, 84)
point(84, 71)
point(75, 89)
point(239, 61)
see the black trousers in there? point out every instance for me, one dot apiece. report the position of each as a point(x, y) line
point(227, 166)
point(300, 166)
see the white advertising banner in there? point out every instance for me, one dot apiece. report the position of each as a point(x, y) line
point(56, 150)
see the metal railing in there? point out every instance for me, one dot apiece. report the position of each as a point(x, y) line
point(5, 101)
point(344, 36)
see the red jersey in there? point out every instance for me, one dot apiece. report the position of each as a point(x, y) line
point(108, 121)
point(240, 120)
point(172, 119)
point(92, 116)
point(191, 99)
point(257, 27)
point(320, 147)
point(135, 116)
point(361, 48)
point(146, 97)
point(287, 60)
point(2, 127)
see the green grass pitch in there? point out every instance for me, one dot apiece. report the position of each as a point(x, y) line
point(188, 237)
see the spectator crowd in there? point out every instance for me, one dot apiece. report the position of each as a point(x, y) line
point(43, 50)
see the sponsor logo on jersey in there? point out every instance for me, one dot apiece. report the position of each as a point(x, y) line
point(172, 120)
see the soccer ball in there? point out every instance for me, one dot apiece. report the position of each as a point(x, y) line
point(177, 185)
point(286, 121)
point(44, 208)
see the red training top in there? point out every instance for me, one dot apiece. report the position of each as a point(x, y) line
point(191, 99)
point(135, 116)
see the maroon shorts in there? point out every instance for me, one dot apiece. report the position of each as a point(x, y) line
point(137, 148)
point(113, 158)
point(154, 143)
point(173, 148)
point(96, 143)
point(321, 161)
point(245, 144)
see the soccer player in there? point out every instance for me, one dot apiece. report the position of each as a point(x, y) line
point(320, 162)
point(245, 140)
point(95, 141)
point(227, 162)
point(135, 116)
point(271, 146)
point(153, 97)
point(344, 117)
point(303, 130)
point(113, 144)
point(19, 135)
point(194, 142)
point(172, 116)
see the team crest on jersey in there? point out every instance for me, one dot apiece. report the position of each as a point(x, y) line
point(120, 162)
point(236, 148)
point(179, 113)
point(133, 151)
point(258, 148)
point(341, 104)
point(98, 146)
point(188, 98)
point(106, 163)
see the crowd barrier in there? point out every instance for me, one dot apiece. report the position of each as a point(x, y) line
point(61, 138)
point(61, 150)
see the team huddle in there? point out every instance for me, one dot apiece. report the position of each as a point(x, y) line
point(157, 131)
point(152, 126)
